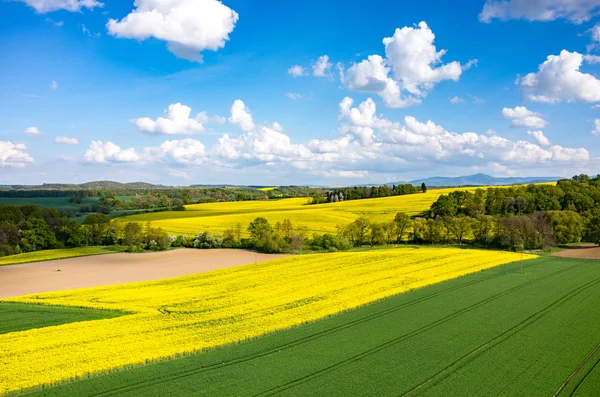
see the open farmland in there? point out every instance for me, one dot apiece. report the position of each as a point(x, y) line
point(55, 254)
point(188, 314)
point(319, 218)
point(59, 203)
point(495, 332)
point(101, 270)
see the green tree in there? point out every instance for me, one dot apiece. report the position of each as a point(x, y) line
point(423, 187)
point(97, 225)
point(459, 226)
point(260, 228)
point(593, 228)
point(361, 225)
point(132, 234)
point(403, 222)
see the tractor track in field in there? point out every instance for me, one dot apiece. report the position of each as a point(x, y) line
point(309, 338)
point(401, 338)
point(579, 367)
point(584, 377)
point(453, 367)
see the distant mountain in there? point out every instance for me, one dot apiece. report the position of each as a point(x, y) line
point(97, 185)
point(480, 180)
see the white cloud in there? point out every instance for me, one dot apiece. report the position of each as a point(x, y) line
point(103, 153)
point(294, 96)
point(456, 99)
point(540, 137)
point(596, 130)
point(44, 6)
point(322, 66)
point(368, 144)
point(14, 155)
point(372, 75)
point(32, 131)
point(296, 71)
point(520, 116)
point(177, 121)
point(412, 64)
point(411, 54)
point(596, 33)
point(66, 140)
point(241, 116)
point(559, 79)
point(576, 11)
point(470, 63)
point(188, 26)
point(475, 99)
point(54, 85)
point(204, 118)
point(185, 152)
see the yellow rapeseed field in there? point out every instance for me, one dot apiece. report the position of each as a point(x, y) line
point(188, 314)
point(61, 253)
point(321, 218)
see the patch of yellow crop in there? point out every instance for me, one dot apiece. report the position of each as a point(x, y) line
point(266, 189)
point(188, 314)
point(61, 253)
point(321, 218)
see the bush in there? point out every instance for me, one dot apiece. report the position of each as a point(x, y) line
point(329, 242)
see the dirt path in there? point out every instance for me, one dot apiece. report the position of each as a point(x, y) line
point(581, 252)
point(93, 271)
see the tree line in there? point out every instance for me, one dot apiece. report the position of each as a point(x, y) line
point(522, 217)
point(365, 192)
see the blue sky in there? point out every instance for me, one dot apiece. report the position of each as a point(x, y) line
point(275, 92)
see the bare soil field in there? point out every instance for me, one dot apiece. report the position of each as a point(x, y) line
point(93, 271)
point(583, 251)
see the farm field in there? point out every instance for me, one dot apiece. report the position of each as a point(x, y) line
point(494, 332)
point(174, 317)
point(20, 316)
point(319, 218)
point(59, 203)
point(61, 253)
point(102, 270)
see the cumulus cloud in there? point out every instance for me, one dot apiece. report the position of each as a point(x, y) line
point(44, 6)
point(66, 140)
point(412, 64)
point(185, 152)
point(104, 153)
point(14, 155)
point(372, 75)
point(296, 71)
point(540, 137)
point(456, 99)
point(520, 116)
point(367, 144)
point(32, 131)
point(596, 130)
point(177, 121)
point(241, 116)
point(187, 26)
point(576, 11)
point(293, 96)
point(559, 79)
point(322, 66)
point(413, 57)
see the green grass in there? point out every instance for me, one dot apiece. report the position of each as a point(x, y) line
point(62, 253)
point(496, 332)
point(59, 203)
point(20, 316)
